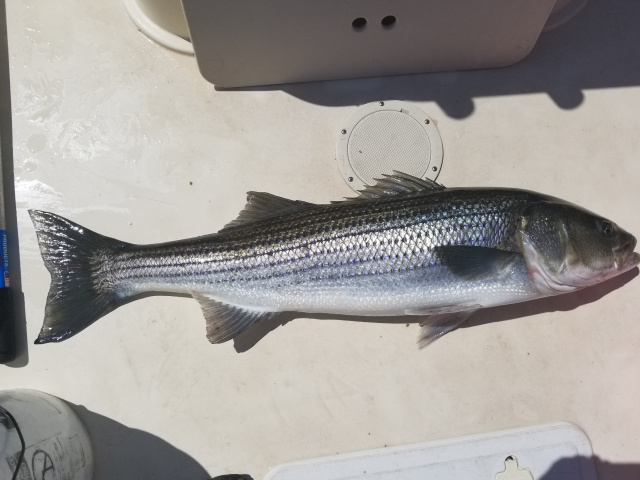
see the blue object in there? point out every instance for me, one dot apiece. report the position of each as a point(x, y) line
point(4, 260)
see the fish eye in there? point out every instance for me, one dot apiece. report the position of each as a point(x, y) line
point(608, 229)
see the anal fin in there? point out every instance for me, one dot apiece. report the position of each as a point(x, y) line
point(224, 321)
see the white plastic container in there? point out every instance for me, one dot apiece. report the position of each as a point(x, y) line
point(56, 443)
point(556, 451)
point(254, 42)
point(162, 21)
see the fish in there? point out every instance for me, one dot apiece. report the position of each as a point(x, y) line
point(403, 246)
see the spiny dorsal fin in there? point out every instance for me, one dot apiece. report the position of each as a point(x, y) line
point(261, 205)
point(397, 184)
point(225, 322)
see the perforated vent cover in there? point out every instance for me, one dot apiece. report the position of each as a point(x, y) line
point(381, 137)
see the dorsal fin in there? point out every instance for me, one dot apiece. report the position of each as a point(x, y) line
point(261, 205)
point(397, 184)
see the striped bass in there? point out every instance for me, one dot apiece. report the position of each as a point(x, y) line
point(405, 246)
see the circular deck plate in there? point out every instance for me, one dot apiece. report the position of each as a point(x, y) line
point(381, 137)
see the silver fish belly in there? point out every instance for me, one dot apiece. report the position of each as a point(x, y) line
point(407, 247)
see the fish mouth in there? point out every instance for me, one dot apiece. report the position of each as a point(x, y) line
point(624, 256)
point(632, 260)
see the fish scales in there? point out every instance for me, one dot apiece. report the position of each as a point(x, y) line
point(331, 241)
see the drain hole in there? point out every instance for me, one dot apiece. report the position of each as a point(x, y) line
point(388, 21)
point(359, 23)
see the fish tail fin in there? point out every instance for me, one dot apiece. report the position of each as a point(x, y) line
point(81, 290)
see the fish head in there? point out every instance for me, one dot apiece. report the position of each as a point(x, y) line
point(567, 247)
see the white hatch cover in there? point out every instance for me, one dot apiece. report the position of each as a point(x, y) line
point(558, 451)
point(384, 136)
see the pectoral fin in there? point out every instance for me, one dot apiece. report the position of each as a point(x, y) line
point(477, 263)
point(438, 325)
point(224, 321)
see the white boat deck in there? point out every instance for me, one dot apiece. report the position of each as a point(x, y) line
point(126, 138)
